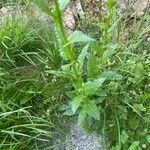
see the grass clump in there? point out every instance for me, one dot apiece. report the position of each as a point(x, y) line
point(28, 96)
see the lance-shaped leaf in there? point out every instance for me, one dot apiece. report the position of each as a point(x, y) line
point(92, 86)
point(78, 36)
point(92, 110)
point(83, 55)
point(75, 104)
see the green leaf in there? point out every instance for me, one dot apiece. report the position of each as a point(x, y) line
point(92, 86)
point(78, 36)
point(93, 110)
point(64, 74)
point(43, 5)
point(63, 4)
point(135, 110)
point(64, 53)
point(139, 107)
point(25, 99)
point(124, 137)
point(111, 75)
point(133, 123)
point(81, 117)
point(122, 112)
point(83, 55)
point(68, 112)
point(92, 67)
point(139, 71)
point(110, 50)
point(101, 93)
point(134, 145)
point(116, 147)
point(148, 138)
point(75, 103)
point(110, 4)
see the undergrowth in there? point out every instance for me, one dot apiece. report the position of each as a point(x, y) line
point(102, 78)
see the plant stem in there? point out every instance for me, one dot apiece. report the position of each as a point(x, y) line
point(59, 23)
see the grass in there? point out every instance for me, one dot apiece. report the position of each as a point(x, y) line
point(34, 102)
point(29, 97)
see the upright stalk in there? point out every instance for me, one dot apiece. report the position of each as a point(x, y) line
point(59, 24)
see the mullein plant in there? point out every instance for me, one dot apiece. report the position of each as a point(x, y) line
point(84, 87)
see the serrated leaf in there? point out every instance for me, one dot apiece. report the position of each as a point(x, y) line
point(43, 5)
point(110, 50)
point(83, 55)
point(63, 4)
point(111, 75)
point(75, 103)
point(78, 36)
point(63, 51)
point(81, 117)
point(92, 110)
point(134, 145)
point(92, 86)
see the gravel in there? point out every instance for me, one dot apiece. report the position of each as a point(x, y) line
point(79, 140)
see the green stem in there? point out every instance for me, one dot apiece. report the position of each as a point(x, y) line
point(59, 23)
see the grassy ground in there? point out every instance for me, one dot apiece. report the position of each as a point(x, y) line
point(33, 103)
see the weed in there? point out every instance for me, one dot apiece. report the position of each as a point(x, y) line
point(104, 80)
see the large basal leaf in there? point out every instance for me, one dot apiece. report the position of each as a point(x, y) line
point(92, 86)
point(75, 104)
point(63, 4)
point(92, 110)
point(78, 36)
point(43, 5)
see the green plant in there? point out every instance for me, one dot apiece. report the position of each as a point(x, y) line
point(105, 77)
point(28, 97)
point(84, 88)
